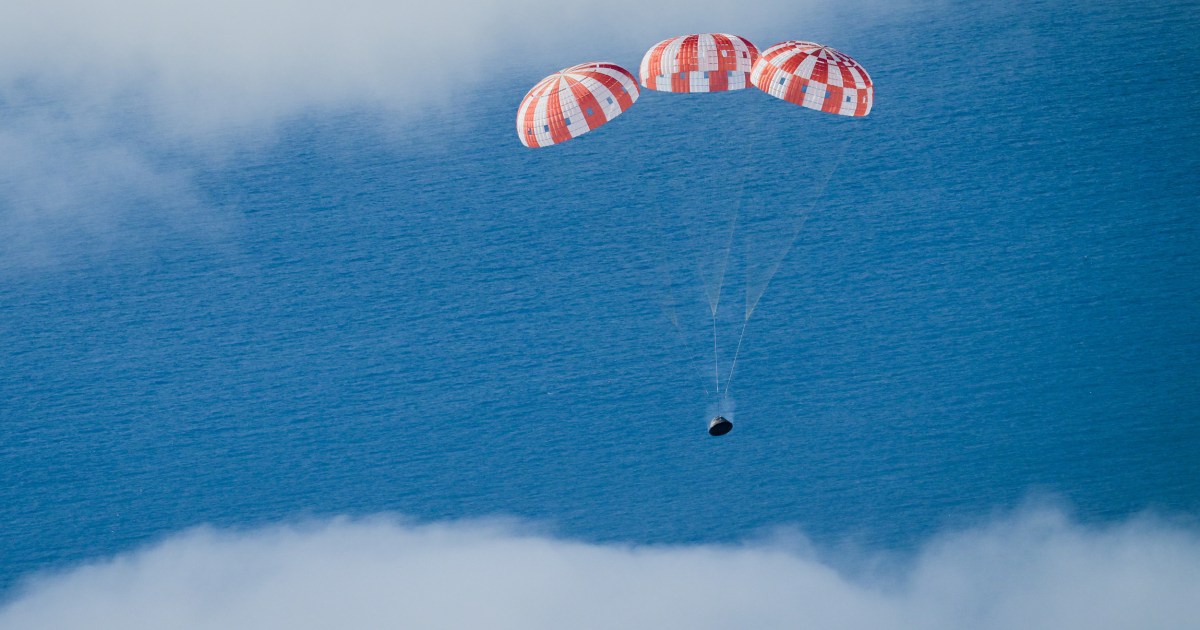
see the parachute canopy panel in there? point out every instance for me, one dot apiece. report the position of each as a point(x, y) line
point(814, 76)
point(704, 62)
point(574, 101)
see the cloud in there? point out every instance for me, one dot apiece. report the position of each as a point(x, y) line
point(67, 186)
point(106, 88)
point(1033, 570)
point(205, 64)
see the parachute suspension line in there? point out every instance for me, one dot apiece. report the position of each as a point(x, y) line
point(733, 366)
point(670, 303)
point(713, 291)
point(714, 294)
point(716, 299)
point(741, 201)
point(716, 365)
point(752, 303)
point(670, 307)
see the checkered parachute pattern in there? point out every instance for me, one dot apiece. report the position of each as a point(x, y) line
point(574, 101)
point(705, 62)
point(816, 77)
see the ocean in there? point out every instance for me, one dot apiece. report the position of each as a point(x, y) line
point(994, 300)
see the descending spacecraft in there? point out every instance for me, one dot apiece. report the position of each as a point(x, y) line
point(581, 98)
point(719, 426)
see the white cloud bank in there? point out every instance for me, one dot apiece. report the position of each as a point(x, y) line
point(1036, 570)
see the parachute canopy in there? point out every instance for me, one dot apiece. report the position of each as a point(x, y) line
point(705, 62)
point(574, 101)
point(816, 77)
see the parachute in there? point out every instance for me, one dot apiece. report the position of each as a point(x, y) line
point(574, 101)
point(814, 76)
point(580, 98)
point(704, 62)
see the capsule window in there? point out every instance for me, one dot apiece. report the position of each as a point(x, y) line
point(589, 112)
point(783, 80)
point(567, 121)
point(546, 128)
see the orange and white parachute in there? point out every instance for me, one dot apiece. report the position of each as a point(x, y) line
point(574, 101)
point(704, 62)
point(816, 77)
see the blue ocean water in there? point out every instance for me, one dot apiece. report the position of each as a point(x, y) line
point(996, 296)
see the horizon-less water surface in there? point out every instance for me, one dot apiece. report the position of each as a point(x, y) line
point(994, 297)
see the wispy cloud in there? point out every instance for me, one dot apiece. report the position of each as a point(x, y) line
point(1034, 570)
point(98, 87)
point(66, 185)
point(226, 59)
